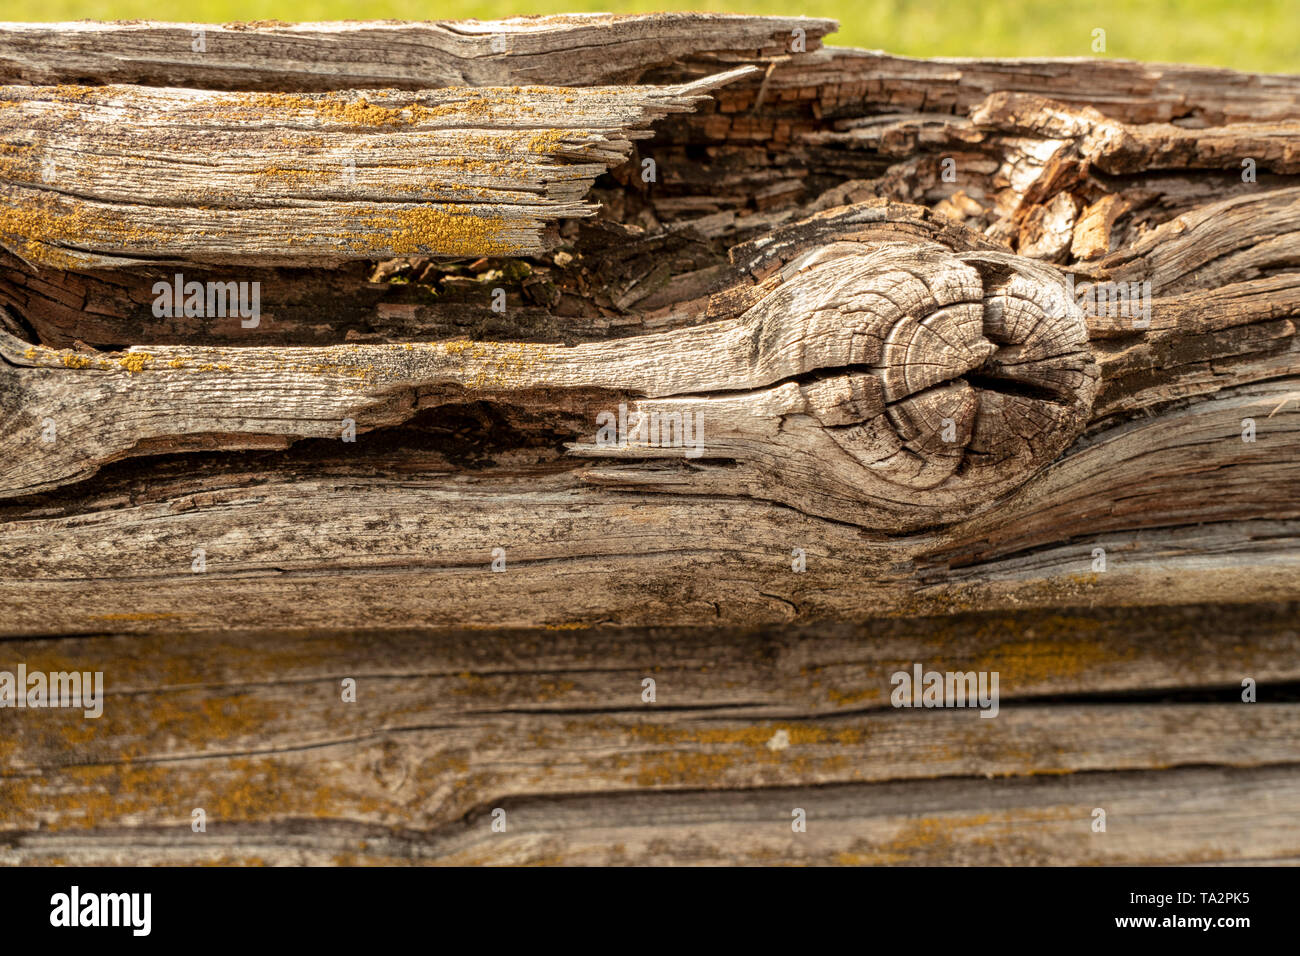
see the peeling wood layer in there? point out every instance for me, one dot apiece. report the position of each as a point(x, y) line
point(585, 49)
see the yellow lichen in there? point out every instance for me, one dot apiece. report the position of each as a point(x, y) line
point(433, 230)
point(356, 110)
point(135, 361)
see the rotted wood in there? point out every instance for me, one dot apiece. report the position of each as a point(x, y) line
point(1064, 160)
point(839, 434)
point(839, 378)
point(823, 378)
point(1134, 712)
point(1036, 166)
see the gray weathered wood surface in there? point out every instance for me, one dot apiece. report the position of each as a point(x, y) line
point(105, 176)
point(373, 530)
point(585, 49)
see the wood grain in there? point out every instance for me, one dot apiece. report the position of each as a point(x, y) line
point(631, 522)
point(107, 176)
point(857, 358)
point(584, 49)
point(1128, 711)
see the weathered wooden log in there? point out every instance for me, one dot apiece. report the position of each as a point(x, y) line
point(990, 365)
point(868, 344)
point(801, 444)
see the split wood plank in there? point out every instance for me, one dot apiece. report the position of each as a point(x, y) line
point(855, 360)
point(1095, 708)
point(584, 49)
point(120, 175)
point(1184, 510)
point(1141, 489)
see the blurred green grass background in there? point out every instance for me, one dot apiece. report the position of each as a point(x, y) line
point(1257, 35)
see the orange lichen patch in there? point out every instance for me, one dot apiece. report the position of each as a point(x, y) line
point(496, 364)
point(459, 165)
point(133, 617)
point(151, 655)
point(135, 362)
point(313, 655)
point(987, 837)
point(20, 163)
point(37, 225)
point(234, 789)
point(299, 141)
point(672, 768)
point(358, 110)
point(551, 140)
point(32, 229)
point(841, 699)
point(1029, 664)
point(45, 357)
point(296, 177)
point(435, 230)
point(77, 94)
point(142, 727)
point(916, 839)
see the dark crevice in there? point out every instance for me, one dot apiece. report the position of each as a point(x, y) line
point(13, 322)
point(1012, 386)
point(934, 568)
point(1284, 692)
point(466, 437)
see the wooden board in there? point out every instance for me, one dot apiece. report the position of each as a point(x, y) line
point(1138, 713)
point(584, 49)
point(832, 449)
point(106, 176)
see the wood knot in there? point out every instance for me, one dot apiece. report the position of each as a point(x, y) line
point(952, 377)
